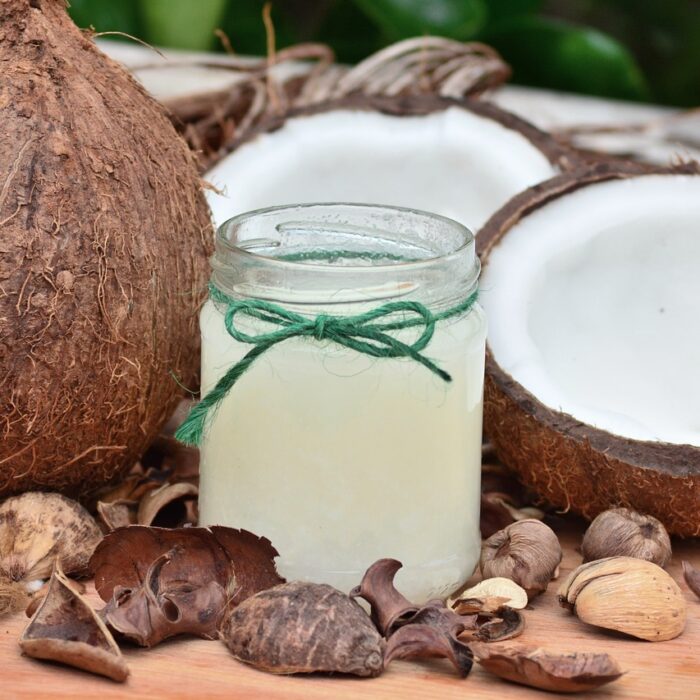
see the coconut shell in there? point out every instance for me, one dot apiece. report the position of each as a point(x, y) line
point(559, 155)
point(568, 463)
point(105, 236)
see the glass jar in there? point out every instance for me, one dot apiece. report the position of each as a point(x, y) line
point(340, 457)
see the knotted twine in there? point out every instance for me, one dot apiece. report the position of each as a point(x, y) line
point(367, 333)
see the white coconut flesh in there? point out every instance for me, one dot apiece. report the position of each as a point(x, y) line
point(594, 306)
point(451, 162)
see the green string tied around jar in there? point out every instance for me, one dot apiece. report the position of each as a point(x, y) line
point(368, 333)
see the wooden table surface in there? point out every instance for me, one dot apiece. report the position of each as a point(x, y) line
point(193, 668)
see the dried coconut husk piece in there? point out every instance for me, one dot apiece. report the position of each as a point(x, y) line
point(692, 577)
point(36, 530)
point(627, 595)
point(537, 668)
point(161, 582)
point(67, 630)
point(432, 632)
point(417, 641)
point(437, 631)
point(117, 505)
point(388, 607)
point(412, 631)
point(304, 627)
point(157, 610)
point(166, 505)
point(147, 501)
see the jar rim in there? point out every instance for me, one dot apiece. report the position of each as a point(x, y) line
point(223, 241)
point(308, 254)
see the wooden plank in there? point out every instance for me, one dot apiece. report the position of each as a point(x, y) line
point(192, 668)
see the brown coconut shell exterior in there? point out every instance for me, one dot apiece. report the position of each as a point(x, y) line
point(571, 465)
point(562, 157)
point(104, 237)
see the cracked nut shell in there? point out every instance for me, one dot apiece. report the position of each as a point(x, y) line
point(627, 595)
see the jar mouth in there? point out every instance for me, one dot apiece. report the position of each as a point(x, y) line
point(321, 220)
point(341, 252)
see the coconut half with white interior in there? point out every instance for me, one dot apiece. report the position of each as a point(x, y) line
point(591, 283)
point(456, 157)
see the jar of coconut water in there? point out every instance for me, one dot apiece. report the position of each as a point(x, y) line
point(342, 377)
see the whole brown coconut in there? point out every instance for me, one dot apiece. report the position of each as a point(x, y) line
point(104, 236)
point(572, 464)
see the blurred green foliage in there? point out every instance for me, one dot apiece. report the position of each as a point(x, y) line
point(629, 49)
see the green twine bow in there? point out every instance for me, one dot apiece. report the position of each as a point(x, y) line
point(361, 333)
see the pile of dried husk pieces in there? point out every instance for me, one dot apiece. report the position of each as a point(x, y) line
point(160, 582)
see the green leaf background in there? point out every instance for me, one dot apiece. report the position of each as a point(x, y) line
point(626, 49)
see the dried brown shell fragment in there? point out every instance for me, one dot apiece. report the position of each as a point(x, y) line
point(67, 630)
point(537, 668)
point(160, 582)
point(419, 641)
point(165, 506)
point(624, 532)
point(198, 555)
point(498, 511)
point(115, 514)
point(36, 529)
point(304, 627)
point(628, 595)
point(151, 613)
point(432, 632)
point(498, 626)
point(527, 552)
point(130, 489)
point(692, 577)
point(148, 498)
point(167, 454)
point(388, 606)
point(40, 595)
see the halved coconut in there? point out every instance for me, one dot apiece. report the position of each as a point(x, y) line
point(459, 158)
point(592, 287)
